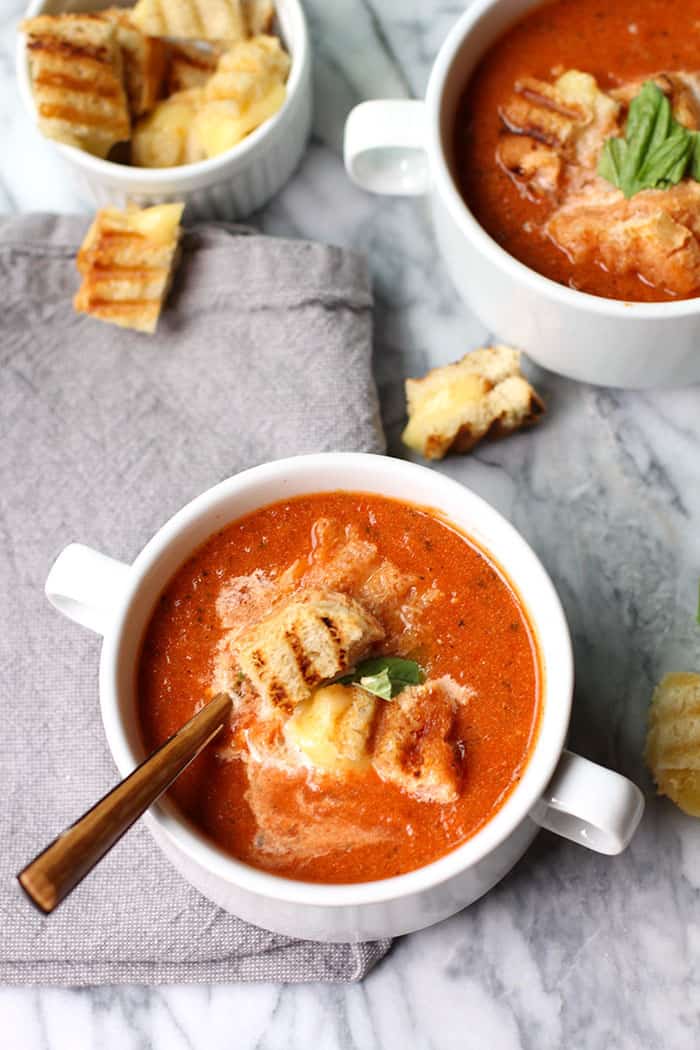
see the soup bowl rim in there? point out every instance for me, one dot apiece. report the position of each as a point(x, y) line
point(545, 750)
point(461, 214)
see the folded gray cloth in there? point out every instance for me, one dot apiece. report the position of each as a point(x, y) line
point(262, 351)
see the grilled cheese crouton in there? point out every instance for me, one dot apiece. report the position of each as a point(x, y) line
point(75, 68)
point(190, 19)
point(312, 638)
point(453, 407)
point(143, 59)
point(245, 71)
point(550, 127)
point(332, 728)
point(673, 741)
point(413, 746)
point(126, 262)
point(166, 137)
point(642, 236)
point(247, 88)
point(190, 66)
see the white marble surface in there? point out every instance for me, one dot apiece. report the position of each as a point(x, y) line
point(573, 950)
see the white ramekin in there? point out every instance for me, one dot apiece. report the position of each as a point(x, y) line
point(563, 792)
point(229, 186)
point(405, 147)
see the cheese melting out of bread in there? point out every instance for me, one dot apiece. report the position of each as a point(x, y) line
point(166, 137)
point(673, 740)
point(247, 88)
point(454, 407)
point(126, 262)
point(75, 67)
point(221, 125)
point(331, 729)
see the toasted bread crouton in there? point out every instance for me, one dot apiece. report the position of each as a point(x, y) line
point(126, 262)
point(191, 19)
point(247, 88)
point(312, 638)
point(548, 126)
point(190, 65)
point(413, 745)
point(642, 236)
point(166, 137)
point(245, 71)
point(331, 729)
point(454, 407)
point(258, 15)
point(76, 74)
point(143, 59)
point(673, 741)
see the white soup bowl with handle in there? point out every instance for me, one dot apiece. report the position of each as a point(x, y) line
point(570, 795)
point(405, 147)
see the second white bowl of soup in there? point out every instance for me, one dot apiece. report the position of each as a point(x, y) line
point(394, 806)
point(551, 256)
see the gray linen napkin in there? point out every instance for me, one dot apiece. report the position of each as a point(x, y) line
point(262, 351)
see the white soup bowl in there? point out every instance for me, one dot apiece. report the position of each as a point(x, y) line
point(558, 790)
point(406, 147)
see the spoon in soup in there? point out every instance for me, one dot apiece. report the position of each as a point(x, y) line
point(57, 870)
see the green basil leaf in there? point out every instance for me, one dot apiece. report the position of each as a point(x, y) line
point(379, 684)
point(656, 150)
point(647, 126)
point(667, 163)
point(695, 156)
point(611, 160)
point(385, 676)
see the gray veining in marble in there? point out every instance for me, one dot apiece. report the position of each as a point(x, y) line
point(573, 950)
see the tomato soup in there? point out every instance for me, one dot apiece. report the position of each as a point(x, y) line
point(621, 42)
point(457, 616)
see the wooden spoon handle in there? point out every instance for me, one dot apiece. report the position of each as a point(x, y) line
point(55, 872)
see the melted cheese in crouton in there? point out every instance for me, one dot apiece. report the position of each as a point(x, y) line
point(126, 262)
point(454, 407)
point(331, 729)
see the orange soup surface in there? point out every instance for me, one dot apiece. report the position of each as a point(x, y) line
point(470, 625)
point(619, 42)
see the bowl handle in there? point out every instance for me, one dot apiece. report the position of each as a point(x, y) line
point(590, 805)
point(385, 147)
point(85, 586)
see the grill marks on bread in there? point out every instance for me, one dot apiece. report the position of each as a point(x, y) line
point(311, 639)
point(550, 146)
point(191, 19)
point(143, 60)
point(75, 67)
point(126, 262)
point(414, 745)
